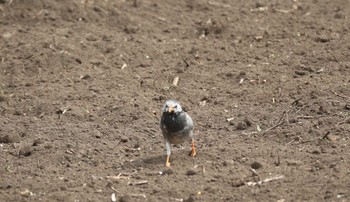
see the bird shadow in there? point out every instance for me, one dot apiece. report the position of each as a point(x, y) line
point(149, 162)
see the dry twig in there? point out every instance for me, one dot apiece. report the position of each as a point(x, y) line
point(279, 122)
point(265, 180)
point(278, 160)
point(117, 177)
point(325, 135)
point(213, 3)
point(10, 2)
point(138, 195)
point(138, 183)
point(133, 195)
point(342, 96)
point(344, 121)
point(296, 101)
point(305, 117)
point(175, 81)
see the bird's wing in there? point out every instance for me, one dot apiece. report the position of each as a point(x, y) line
point(189, 122)
point(162, 125)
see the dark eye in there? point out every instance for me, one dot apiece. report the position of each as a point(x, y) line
point(175, 106)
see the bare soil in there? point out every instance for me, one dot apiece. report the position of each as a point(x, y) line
point(267, 84)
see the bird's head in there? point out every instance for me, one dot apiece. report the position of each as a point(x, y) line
point(172, 107)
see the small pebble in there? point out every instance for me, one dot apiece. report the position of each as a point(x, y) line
point(241, 126)
point(347, 106)
point(37, 141)
point(125, 198)
point(191, 172)
point(256, 165)
point(86, 76)
point(293, 162)
point(300, 73)
point(322, 39)
point(2, 98)
point(316, 152)
point(167, 171)
point(190, 199)
point(26, 151)
point(248, 122)
point(9, 138)
point(124, 139)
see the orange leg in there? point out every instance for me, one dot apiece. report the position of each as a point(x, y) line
point(193, 151)
point(167, 163)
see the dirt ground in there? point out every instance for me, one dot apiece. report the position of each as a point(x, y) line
point(267, 84)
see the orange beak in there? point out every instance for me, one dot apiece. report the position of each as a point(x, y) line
point(171, 109)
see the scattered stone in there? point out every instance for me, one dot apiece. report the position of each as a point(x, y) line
point(91, 38)
point(26, 193)
point(156, 190)
point(238, 183)
point(2, 98)
point(97, 9)
point(64, 110)
point(124, 139)
point(131, 29)
point(167, 171)
point(17, 113)
point(48, 146)
point(316, 152)
point(299, 103)
point(125, 198)
point(190, 199)
point(63, 188)
point(78, 60)
point(211, 190)
point(5, 186)
point(347, 106)
point(230, 74)
point(300, 73)
point(180, 71)
point(86, 76)
point(322, 39)
point(328, 195)
point(25, 151)
point(241, 126)
point(332, 138)
point(322, 110)
point(191, 172)
point(259, 4)
point(339, 16)
point(248, 122)
point(202, 103)
point(293, 162)
point(159, 98)
point(136, 145)
point(256, 165)
point(37, 141)
point(9, 138)
point(227, 162)
point(258, 38)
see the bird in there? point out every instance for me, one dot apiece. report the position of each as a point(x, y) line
point(176, 126)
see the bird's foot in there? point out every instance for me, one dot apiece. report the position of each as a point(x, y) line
point(167, 163)
point(193, 150)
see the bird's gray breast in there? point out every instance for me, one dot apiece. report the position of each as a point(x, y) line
point(174, 122)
